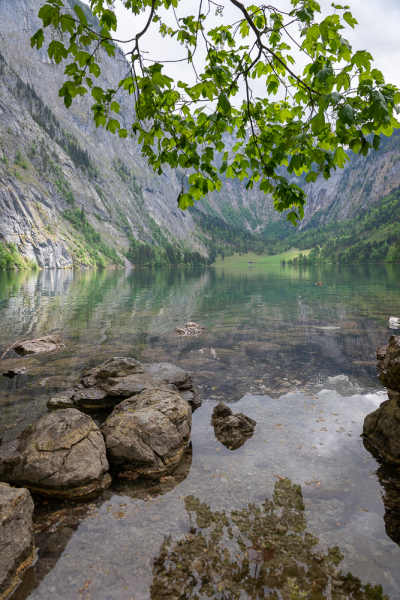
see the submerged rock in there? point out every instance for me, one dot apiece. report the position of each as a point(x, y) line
point(11, 373)
point(63, 455)
point(43, 345)
point(147, 435)
point(119, 378)
point(190, 329)
point(382, 427)
point(231, 430)
point(17, 548)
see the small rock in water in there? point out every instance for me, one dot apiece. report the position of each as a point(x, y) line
point(11, 373)
point(231, 430)
point(43, 345)
point(17, 548)
point(191, 329)
point(394, 323)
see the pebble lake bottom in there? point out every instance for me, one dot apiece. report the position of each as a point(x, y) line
point(302, 510)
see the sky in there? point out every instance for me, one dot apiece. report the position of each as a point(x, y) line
point(377, 32)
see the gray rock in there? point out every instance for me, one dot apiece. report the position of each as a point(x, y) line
point(63, 455)
point(147, 434)
point(43, 345)
point(131, 385)
point(17, 548)
point(231, 430)
point(93, 398)
point(110, 383)
point(62, 400)
point(192, 397)
point(169, 374)
point(389, 364)
point(114, 367)
point(382, 428)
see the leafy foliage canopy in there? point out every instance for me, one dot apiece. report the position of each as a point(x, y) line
point(305, 119)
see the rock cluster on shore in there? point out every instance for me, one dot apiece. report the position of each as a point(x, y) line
point(65, 455)
point(382, 427)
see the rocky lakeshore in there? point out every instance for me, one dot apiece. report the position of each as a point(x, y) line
point(382, 427)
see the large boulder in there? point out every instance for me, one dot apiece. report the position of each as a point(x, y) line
point(17, 549)
point(43, 345)
point(63, 455)
point(389, 364)
point(231, 430)
point(147, 435)
point(382, 427)
point(119, 378)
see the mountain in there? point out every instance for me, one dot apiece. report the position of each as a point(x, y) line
point(74, 194)
point(56, 163)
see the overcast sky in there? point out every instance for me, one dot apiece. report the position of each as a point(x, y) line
point(377, 32)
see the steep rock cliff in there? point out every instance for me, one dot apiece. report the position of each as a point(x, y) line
point(42, 174)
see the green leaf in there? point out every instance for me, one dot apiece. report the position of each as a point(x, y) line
point(311, 177)
point(324, 74)
point(185, 200)
point(340, 157)
point(224, 103)
point(37, 39)
point(348, 17)
point(346, 114)
point(81, 15)
point(112, 125)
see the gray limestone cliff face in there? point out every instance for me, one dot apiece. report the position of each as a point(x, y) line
point(21, 226)
point(32, 201)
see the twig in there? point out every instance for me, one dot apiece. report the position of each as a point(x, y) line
point(11, 347)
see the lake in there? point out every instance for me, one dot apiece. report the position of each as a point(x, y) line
point(301, 510)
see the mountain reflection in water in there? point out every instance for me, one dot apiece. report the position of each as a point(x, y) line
point(257, 552)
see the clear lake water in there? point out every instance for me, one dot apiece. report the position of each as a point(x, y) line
point(303, 510)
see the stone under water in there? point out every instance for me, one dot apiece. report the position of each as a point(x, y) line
point(42, 345)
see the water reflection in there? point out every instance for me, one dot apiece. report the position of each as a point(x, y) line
point(257, 552)
point(389, 478)
point(296, 357)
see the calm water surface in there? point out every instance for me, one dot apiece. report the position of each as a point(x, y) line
point(302, 510)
